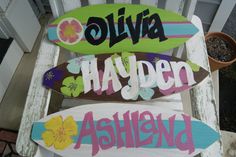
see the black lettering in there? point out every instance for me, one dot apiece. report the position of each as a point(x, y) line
point(121, 25)
point(114, 38)
point(145, 24)
point(156, 30)
point(150, 26)
point(134, 30)
point(98, 25)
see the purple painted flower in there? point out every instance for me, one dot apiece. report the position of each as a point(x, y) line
point(52, 76)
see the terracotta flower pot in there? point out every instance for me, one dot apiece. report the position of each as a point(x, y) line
point(216, 64)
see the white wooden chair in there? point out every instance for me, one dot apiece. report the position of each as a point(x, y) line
point(199, 101)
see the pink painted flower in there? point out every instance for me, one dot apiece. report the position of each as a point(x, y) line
point(174, 89)
point(109, 91)
point(70, 31)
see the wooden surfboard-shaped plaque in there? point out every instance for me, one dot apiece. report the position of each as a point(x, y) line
point(109, 28)
point(116, 130)
point(123, 76)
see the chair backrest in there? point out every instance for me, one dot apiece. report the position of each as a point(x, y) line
point(183, 7)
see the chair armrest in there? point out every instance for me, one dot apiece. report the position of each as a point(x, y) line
point(202, 96)
point(38, 97)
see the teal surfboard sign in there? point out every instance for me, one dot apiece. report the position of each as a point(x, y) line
point(112, 129)
point(123, 76)
point(109, 28)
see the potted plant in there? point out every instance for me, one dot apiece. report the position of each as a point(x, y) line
point(221, 50)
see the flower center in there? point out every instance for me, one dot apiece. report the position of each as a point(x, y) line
point(60, 134)
point(73, 86)
point(69, 31)
point(49, 75)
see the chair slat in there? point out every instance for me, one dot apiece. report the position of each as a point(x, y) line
point(38, 97)
point(176, 6)
point(173, 104)
point(122, 1)
point(189, 8)
point(69, 5)
point(187, 11)
point(174, 101)
point(149, 2)
point(202, 97)
point(43, 152)
point(92, 2)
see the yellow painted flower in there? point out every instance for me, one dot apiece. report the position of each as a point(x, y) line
point(59, 133)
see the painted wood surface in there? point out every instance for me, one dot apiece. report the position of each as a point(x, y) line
point(57, 9)
point(38, 98)
point(172, 102)
point(123, 76)
point(202, 97)
point(122, 129)
point(95, 32)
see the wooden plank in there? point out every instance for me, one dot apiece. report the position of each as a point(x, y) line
point(185, 97)
point(42, 152)
point(202, 96)
point(9, 65)
point(189, 8)
point(92, 2)
point(177, 6)
point(222, 15)
point(38, 98)
point(69, 5)
point(174, 97)
point(2, 90)
point(216, 2)
point(35, 8)
point(3, 5)
point(168, 104)
point(56, 7)
point(215, 78)
point(3, 32)
point(40, 6)
point(149, 2)
point(188, 12)
point(122, 1)
point(174, 103)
